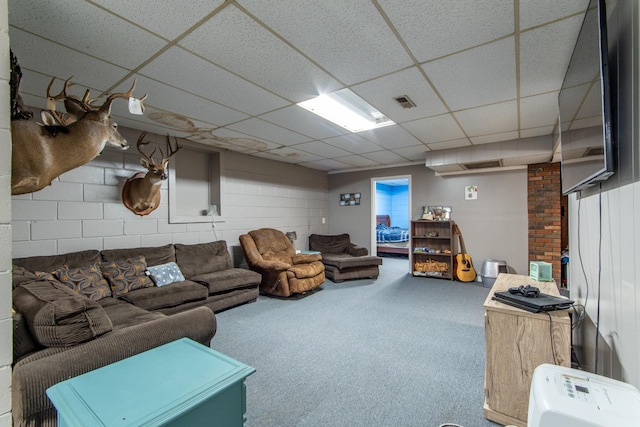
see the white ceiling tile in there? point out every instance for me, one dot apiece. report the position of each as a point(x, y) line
point(167, 18)
point(357, 161)
point(235, 71)
point(349, 39)
point(433, 29)
point(489, 119)
point(538, 12)
point(415, 153)
point(479, 76)
point(328, 165)
point(321, 149)
point(410, 82)
point(435, 129)
point(392, 136)
point(353, 143)
point(252, 52)
point(496, 137)
point(84, 27)
point(538, 111)
point(209, 81)
point(444, 145)
point(249, 141)
point(302, 121)
point(184, 104)
point(134, 123)
point(385, 157)
point(265, 130)
point(541, 131)
point(544, 55)
point(293, 155)
point(51, 59)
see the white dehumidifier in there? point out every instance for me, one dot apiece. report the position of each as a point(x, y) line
point(566, 397)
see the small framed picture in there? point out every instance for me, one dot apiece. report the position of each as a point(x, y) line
point(349, 199)
point(437, 213)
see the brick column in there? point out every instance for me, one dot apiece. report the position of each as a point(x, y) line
point(545, 215)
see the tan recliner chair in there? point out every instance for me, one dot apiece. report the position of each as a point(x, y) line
point(270, 253)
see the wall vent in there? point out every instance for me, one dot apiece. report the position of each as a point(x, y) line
point(405, 101)
point(483, 165)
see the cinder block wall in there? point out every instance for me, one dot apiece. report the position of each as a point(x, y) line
point(82, 209)
point(545, 209)
point(6, 325)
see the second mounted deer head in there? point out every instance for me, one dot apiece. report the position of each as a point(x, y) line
point(141, 192)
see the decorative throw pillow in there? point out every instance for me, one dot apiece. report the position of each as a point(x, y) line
point(165, 273)
point(87, 281)
point(126, 275)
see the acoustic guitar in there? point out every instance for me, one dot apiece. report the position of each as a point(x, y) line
point(464, 270)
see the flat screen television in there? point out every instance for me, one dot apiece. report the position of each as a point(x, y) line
point(585, 122)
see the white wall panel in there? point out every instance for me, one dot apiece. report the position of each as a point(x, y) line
point(615, 261)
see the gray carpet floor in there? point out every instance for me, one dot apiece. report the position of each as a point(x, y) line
point(396, 351)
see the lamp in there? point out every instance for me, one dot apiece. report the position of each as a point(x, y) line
point(348, 110)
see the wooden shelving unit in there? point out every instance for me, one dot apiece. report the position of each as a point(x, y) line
point(433, 247)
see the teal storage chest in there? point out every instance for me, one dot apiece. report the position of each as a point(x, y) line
point(182, 383)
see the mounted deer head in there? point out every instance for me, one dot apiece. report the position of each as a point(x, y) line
point(40, 154)
point(141, 192)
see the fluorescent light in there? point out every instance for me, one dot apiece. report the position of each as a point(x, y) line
point(348, 110)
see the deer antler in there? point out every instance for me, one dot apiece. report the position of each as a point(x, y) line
point(61, 119)
point(139, 145)
point(170, 149)
point(105, 109)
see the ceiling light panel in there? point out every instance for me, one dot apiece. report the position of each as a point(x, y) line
point(348, 110)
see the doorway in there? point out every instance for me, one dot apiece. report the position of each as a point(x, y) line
point(391, 211)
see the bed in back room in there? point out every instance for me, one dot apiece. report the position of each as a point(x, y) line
point(390, 240)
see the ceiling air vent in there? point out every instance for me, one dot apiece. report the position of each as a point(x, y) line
point(483, 165)
point(405, 101)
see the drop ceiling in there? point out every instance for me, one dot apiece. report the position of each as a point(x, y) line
point(229, 73)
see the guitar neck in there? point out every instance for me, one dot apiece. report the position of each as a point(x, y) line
point(463, 250)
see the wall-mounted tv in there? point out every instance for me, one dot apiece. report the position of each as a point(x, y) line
point(585, 122)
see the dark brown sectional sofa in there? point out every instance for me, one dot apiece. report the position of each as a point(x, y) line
point(76, 312)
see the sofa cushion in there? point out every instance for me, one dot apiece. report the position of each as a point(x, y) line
point(153, 255)
point(203, 258)
point(348, 261)
point(23, 341)
point(167, 296)
point(87, 281)
point(125, 275)
point(332, 244)
point(124, 314)
point(52, 262)
point(57, 316)
point(165, 274)
point(231, 278)
point(22, 275)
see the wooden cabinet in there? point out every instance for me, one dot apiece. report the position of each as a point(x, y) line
point(517, 341)
point(432, 248)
